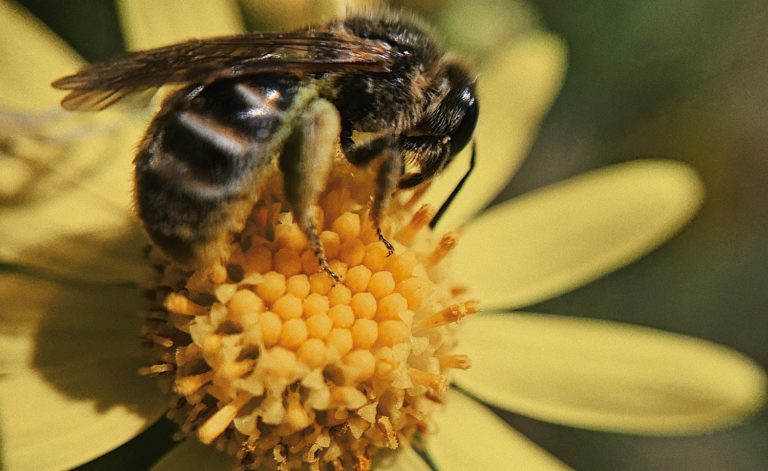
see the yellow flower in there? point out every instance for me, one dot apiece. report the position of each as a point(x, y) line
point(68, 352)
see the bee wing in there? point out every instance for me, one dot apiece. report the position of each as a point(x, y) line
point(100, 85)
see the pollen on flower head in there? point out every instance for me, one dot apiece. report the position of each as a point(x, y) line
point(282, 366)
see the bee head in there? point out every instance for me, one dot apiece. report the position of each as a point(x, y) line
point(455, 115)
point(462, 106)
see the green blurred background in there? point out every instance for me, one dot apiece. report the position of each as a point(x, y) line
point(685, 79)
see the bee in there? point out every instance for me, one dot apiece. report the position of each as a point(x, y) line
point(245, 100)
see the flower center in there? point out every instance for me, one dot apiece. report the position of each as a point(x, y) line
point(280, 365)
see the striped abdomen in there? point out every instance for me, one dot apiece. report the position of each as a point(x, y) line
point(207, 148)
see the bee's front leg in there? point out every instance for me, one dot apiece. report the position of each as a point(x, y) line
point(430, 152)
point(385, 149)
point(306, 162)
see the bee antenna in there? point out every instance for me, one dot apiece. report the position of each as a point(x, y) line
point(447, 203)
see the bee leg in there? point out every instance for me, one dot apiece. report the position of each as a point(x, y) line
point(387, 177)
point(306, 162)
point(433, 154)
point(388, 174)
point(430, 153)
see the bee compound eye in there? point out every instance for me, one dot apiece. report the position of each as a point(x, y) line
point(462, 133)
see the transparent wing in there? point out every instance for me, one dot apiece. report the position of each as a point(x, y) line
point(100, 85)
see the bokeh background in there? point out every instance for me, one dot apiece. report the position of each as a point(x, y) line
point(686, 80)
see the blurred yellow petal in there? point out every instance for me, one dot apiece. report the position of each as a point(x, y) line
point(65, 202)
point(516, 89)
point(116, 261)
point(607, 376)
point(149, 23)
point(15, 352)
point(471, 437)
point(59, 418)
point(31, 57)
point(192, 454)
point(286, 16)
point(561, 237)
point(69, 390)
point(56, 324)
point(402, 459)
point(45, 151)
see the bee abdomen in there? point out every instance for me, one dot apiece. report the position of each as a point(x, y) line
point(205, 152)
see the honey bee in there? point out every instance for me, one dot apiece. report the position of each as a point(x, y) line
point(246, 100)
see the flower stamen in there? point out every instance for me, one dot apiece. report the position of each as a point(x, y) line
point(156, 369)
point(419, 221)
point(179, 304)
point(216, 424)
point(451, 314)
point(286, 367)
point(188, 385)
point(447, 243)
point(434, 382)
point(457, 362)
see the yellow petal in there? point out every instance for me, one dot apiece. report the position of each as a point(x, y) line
point(53, 325)
point(516, 88)
point(563, 236)
point(56, 324)
point(402, 459)
point(191, 454)
point(60, 417)
point(47, 153)
point(608, 376)
point(113, 256)
point(31, 57)
point(65, 202)
point(69, 389)
point(472, 437)
point(15, 352)
point(286, 16)
point(149, 23)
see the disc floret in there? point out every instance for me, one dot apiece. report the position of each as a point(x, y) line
point(282, 366)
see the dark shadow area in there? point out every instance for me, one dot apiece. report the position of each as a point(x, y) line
point(87, 340)
point(140, 453)
point(86, 335)
point(92, 27)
